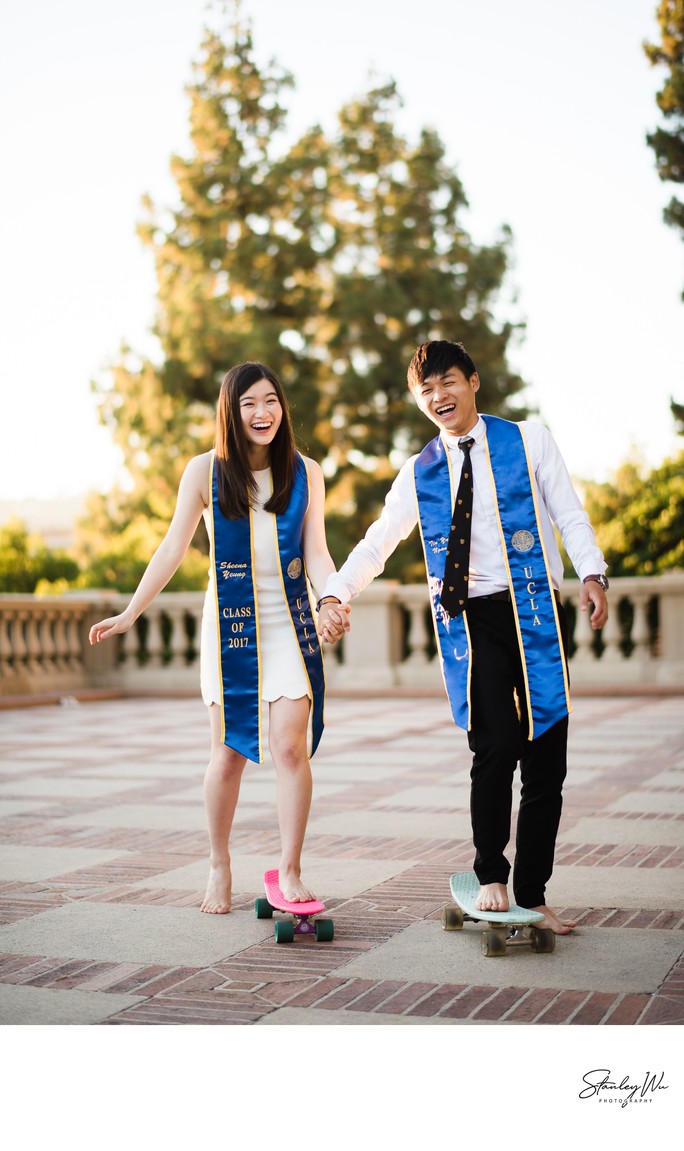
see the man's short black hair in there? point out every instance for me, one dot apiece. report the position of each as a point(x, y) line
point(435, 358)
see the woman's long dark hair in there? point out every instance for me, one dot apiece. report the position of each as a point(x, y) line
point(237, 487)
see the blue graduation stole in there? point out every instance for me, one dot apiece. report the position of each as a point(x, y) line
point(237, 609)
point(529, 579)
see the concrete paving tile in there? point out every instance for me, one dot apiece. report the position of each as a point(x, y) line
point(673, 777)
point(10, 807)
point(647, 887)
point(358, 771)
point(58, 787)
point(409, 825)
point(132, 769)
point(591, 959)
point(594, 829)
point(296, 1016)
point(169, 936)
point(439, 796)
point(653, 801)
point(30, 864)
point(260, 791)
point(156, 816)
point(332, 879)
point(48, 1005)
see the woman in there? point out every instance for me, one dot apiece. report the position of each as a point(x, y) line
point(262, 503)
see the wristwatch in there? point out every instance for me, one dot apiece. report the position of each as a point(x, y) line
point(599, 579)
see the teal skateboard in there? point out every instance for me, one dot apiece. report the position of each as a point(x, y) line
point(512, 928)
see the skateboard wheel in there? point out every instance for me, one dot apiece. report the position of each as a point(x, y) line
point(493, 943)
point(283, 931)
point(542, 939)
point(263, 909)
point(325, 930)
point(452, 919)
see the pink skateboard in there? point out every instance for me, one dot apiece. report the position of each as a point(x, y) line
point(284, 930)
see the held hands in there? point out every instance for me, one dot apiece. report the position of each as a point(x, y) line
point(333, 621)
point(592, 592)
point(115, 625)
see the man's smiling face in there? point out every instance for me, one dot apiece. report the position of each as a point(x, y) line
point(449, 401)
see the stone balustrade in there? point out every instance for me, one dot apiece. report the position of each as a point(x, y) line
point(44, 642)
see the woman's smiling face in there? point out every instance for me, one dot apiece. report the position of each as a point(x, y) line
point(261, 413)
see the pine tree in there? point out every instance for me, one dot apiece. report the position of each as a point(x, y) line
point(330, 259)
point(403, 271)
point(668, 142)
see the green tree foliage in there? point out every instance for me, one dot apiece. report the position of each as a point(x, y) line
point(117, 559)
point(404, 270)
point(26, 561)
point(667, 141)
point(639, 518)
point(330, 259)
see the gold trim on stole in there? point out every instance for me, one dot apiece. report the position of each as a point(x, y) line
point(521, 646)
point(286, 602)
point(432, 610)
point(212, 556)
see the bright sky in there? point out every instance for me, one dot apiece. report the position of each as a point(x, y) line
point(543, 108)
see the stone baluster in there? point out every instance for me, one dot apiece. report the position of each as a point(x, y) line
point(611, 635)
point(179, 640)
point(6, 669)
point(641, 634)
point(417, 639)
point(155, 641)
point(73, 640)
point(33, 662)
point(18, 642)
point(583, 635)
point(61, 641)
point(46, 639)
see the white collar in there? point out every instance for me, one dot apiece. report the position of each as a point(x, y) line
point(478, 433)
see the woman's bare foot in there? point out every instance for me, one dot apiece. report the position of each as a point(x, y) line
point(492, 897)
point(292, 887)
point(553, 921)
point(217, 898)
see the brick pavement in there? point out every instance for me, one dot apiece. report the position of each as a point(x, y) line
point(103, 860)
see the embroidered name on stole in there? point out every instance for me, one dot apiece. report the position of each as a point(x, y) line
point(534, 603)
point(232, 552)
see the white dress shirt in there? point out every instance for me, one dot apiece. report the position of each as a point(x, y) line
point(557, 503)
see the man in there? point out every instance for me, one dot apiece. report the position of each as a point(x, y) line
point(486, 493)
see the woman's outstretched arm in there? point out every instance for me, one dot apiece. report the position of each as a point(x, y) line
point(193, 493)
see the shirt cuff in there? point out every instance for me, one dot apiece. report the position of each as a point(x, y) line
point(335, 586)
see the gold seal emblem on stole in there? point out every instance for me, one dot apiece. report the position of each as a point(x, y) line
point(522, 541)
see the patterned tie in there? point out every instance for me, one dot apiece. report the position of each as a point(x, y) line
point(455, 588)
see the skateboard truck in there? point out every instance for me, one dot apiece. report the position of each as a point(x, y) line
point(513, 928)
point(303, 921)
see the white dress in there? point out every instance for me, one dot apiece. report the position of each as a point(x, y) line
point(282, 666)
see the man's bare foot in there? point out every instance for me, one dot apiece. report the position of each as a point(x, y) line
point(492, 897)
point(553, 921)
point(217, 898)
point(293, 888)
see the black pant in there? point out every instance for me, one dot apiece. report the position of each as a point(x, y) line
point(498, 740)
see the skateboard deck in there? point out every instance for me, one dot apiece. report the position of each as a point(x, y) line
point(504, 928)
point(280, 903)
point(303, 923)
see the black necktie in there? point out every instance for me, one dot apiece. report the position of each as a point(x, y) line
point(455, 588)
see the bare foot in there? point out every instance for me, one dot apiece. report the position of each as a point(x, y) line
point(217, 898)
point(553, 921)
point(293, 888)
point(492, 897)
